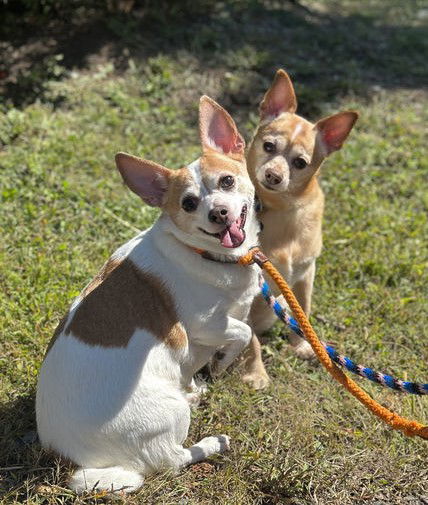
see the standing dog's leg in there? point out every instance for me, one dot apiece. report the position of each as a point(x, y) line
point(261, 319)
point(303, 289)
point(303, 292)
point(254, 370)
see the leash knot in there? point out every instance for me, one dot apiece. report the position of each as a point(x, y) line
point(254, 255)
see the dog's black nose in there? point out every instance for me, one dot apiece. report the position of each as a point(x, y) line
point(218, 214)
point(272, 176)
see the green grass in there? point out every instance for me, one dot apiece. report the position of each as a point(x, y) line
point(64, 210)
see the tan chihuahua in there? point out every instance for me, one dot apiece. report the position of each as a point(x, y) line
point(284, 161)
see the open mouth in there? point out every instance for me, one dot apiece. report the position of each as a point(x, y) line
point(233, 234)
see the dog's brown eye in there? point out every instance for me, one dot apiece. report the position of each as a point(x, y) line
point(269, 147)
point(190, 203)
point(227, 182)
point(299, 163)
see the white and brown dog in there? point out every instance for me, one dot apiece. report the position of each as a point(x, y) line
point(113, 392)
point(284, 161)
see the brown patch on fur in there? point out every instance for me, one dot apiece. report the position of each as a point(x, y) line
point(179, 181)
point(121, 299)
point(105, 271)
point(59, 329)
point(212, 161)
point(286, 125)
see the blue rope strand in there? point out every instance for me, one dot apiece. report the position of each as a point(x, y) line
point(366, 372)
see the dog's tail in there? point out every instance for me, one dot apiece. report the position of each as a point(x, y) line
point(113, 479)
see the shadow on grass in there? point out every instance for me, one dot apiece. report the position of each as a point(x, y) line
point(328, 54)
point(23, 464)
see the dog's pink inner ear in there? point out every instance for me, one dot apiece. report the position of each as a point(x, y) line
point(279, 98)
point(335, 129)
point(145, 178)
point(218, 130)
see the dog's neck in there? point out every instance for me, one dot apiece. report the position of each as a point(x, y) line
point(288, 202)
point(217, 258)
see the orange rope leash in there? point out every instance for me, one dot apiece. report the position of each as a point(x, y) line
point(408, 427)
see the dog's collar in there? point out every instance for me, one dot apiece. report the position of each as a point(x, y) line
point(208, 256)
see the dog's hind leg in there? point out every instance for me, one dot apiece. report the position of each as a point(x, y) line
point(113, 479)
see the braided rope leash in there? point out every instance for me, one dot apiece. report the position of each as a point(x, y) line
point(402, 386)
point(408, 427)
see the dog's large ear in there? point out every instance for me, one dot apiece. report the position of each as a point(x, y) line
point(218, 130)
point(333, 130)
point(145, 178)
point(279, 98)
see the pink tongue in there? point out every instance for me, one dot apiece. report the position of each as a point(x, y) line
point(232, 236)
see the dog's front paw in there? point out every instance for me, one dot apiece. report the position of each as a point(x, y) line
point(198, 385)
point(257, 379)
point(304, 350)
point(193, 399)
point(196, 389)
point(216, 444)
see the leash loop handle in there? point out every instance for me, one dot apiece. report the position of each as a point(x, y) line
point(406, 426)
